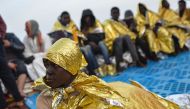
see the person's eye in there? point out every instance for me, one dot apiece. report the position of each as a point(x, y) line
point(46, 65)
point(55, 66)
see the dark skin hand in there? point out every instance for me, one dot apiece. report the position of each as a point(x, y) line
point(85, 31)
point(57, 76)
point(6, 43)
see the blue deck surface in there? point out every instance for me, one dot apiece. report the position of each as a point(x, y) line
point(165, 77)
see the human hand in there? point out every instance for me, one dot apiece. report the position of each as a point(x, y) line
point(6, 43)
point(12, 66)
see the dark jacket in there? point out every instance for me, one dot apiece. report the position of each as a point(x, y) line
point(15, 51)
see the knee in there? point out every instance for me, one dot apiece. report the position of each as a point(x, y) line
point(21, 68)
point(85, 50)
point(126, 38)
point(118, 40)
point(88, 48)
point(100, 43)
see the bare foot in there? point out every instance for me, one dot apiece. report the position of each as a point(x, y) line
point(22, 94)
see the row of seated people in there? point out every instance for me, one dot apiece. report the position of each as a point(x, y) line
point(144, 36)
point(92, 94)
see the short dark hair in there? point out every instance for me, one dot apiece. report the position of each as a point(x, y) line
point(64, 13)
point(182, 1)
point(114, 8)
point(163, 1)
point(129, 13)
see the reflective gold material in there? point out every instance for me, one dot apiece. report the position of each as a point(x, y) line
point(172, 18)
point(141, 22)
point(66, 54)
point(71, 28)
point(165, 40)
point(167, 104)
point(114, 29)
point(107, 69)
point(160, 41)
point(180, 34)
point(100, 71)
point(151, 19)
point(90, 92)
point(153, 41)
point(168, 15)
point(186, 15)
point(39, 84)
point(111, 69)
point(172, 22)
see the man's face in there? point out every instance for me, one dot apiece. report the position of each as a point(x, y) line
point(182, 6)
point(88, 21)
point(28, 29)
point(115, 14)
point(56, 76)
point(65, 19)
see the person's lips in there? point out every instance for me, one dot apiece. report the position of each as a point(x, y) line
point(49, 80)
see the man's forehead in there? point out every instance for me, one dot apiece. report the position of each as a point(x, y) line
point(48, 61)
point(65, 16)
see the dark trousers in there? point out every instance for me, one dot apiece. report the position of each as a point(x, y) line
point(20, 68)
point(90, 58)
point(143, 44)
point(176, 44)
point(102, 49)
point(8, 80)
point(120, 45)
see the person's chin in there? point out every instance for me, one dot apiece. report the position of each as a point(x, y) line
point(49, 83)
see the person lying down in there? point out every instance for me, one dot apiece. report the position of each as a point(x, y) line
point(66, 87)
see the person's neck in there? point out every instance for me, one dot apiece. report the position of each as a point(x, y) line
point(64, 24)
point(115, 19)
point(166, 7)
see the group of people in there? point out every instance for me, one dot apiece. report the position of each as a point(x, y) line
point(148, 35)
point(20, 61)
point(144, 36)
